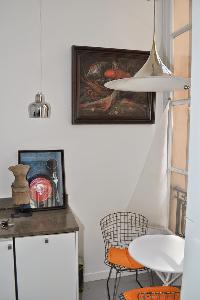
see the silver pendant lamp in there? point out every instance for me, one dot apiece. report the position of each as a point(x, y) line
point(39, 108)
point(154, 76)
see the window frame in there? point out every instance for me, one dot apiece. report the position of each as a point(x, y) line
point(168, 38)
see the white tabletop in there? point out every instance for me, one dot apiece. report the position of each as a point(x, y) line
point(163, 253)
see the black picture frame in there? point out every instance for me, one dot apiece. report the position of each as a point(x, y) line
point(92, 103)
point(46, 178)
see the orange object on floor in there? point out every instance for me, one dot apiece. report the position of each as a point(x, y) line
point(121, 257)
point(134, 294)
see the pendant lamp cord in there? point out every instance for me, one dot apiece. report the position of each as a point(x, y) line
point(154, 19)
point(41, 31)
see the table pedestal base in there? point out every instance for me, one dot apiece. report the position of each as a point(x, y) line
point(168, 278)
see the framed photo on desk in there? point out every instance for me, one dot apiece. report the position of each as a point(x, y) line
point(46, 177)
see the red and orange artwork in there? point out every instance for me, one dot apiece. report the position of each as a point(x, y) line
point(93, 102)
point(40, 189)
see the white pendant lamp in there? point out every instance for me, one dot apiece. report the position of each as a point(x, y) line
point(39, 108)
point(154, 76)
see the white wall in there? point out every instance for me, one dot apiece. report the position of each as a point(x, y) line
point(150, 195)
point(107, 166)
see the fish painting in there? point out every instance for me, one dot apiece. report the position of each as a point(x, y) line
point(93, 102)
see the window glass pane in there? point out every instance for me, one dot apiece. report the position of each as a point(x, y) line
point(180, 116)
point(180, 119)
point(181, 13)
point(184, 94)
point(178, 183)
point(182, 60)
point(178, 180)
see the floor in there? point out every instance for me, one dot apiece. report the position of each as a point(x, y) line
point(96, 290)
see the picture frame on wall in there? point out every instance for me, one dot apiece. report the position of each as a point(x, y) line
point(46, 178)
point(92, 102)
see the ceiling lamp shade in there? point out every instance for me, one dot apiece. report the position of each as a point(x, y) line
point(154, 76)
point(39, 108)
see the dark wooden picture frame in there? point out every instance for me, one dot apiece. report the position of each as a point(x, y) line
point(92, 103)
point(46, 178)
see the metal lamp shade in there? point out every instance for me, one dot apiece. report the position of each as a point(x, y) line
point(149, 84)
point(39, 108)
point(154, 76)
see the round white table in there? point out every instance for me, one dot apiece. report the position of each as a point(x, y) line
point(162, 253)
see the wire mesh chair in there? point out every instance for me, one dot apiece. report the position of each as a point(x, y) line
point(118, 230)
point(152, 293)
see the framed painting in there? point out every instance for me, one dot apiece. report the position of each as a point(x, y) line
point(46, 177)
point(92, 102)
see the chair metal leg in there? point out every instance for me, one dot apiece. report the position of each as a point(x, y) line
point(136, 275)
point(108, 290)
point(117, 283)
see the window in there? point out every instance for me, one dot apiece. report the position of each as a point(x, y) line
point(179, 114)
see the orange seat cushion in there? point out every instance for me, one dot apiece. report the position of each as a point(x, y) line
point(121, 257)
point(133, 294)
